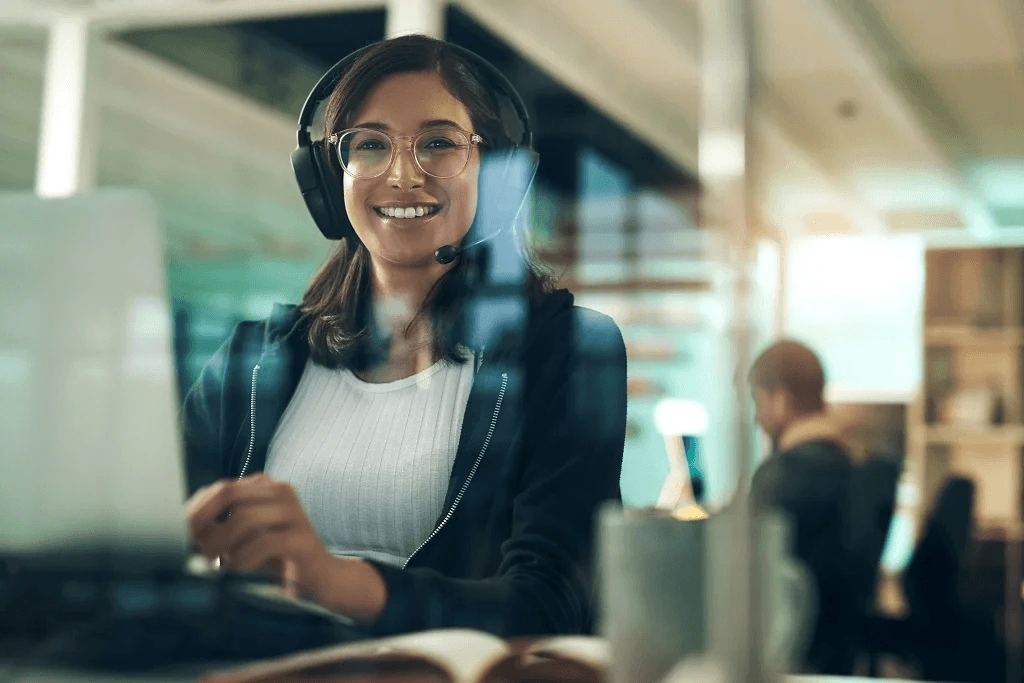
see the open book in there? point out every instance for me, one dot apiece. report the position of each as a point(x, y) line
point(442, 656)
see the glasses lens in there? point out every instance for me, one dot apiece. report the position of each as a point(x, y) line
point(364, 153)
point(443, 153)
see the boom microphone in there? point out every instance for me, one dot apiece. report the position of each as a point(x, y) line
point(450, 252)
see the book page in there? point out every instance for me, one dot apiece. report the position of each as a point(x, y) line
point(571, 659)
point(463, 653)
point(589, 650)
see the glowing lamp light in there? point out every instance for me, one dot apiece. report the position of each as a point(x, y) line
point(679, 417)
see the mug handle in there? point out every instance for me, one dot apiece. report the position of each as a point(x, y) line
point(790, 627)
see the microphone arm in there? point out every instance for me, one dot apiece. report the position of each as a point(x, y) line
point(450, 252)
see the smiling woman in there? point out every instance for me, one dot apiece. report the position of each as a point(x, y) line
point(407, 446)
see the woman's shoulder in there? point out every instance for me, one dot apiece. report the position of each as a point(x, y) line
point(561, 304)
point(282, 321)
point(591, 322)
point(584, 328)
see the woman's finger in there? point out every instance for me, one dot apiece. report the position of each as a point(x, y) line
point(210, 507)
point(246, 520)
point(290, 578)
point(261, 549)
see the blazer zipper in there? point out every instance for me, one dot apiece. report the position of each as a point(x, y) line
point(252, 422)
point(472, 472)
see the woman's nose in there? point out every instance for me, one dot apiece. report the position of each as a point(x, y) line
point(405, 173)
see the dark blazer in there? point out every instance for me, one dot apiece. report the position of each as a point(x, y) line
point(540, 450)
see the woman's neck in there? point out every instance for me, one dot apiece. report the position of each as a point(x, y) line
point(398, 299)
point(399, 294)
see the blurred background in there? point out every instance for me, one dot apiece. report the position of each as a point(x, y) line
point(882, 131)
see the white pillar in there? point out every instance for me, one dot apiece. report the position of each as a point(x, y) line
point(415, 16)
point(66, 162)
point(736, 558)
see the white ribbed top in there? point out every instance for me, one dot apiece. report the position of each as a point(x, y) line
point(371, 462)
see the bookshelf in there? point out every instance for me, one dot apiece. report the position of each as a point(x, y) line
point(969, 420)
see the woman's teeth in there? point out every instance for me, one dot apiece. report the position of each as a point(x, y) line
point(405, 211)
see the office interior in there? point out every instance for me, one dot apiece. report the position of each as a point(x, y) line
point(882, 174)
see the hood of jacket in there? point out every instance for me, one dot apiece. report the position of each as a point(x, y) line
point(825, 426)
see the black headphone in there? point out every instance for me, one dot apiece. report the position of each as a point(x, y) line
point(321, 187)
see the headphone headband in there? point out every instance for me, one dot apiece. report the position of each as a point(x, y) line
point(327, 82)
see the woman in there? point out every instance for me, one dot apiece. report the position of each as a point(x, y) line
point(396, 448)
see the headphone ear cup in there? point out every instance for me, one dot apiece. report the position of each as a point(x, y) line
point(322, 190)
point(334, 194)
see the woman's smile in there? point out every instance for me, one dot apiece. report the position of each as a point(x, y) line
point(407, 211)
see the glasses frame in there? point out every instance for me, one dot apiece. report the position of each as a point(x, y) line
point(335, 140)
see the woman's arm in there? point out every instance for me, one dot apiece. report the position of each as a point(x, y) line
point(201, 423)
point(205, 411)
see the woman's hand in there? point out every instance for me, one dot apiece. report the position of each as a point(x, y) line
point(256, 523)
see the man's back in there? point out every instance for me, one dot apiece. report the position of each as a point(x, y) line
point(810, 482)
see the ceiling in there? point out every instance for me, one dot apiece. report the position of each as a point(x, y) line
point(907, 105)
point(871, 115)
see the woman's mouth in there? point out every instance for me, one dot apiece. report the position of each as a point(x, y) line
point(412, 211)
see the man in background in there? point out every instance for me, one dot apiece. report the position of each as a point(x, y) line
point(807, 477)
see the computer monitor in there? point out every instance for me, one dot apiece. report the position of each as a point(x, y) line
point(692, 448)
point(91, 455)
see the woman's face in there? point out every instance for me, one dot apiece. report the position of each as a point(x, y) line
point(405, 105)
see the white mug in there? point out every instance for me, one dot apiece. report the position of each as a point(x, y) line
point(653, 591)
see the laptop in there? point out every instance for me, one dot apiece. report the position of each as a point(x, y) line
point(91, 467)
point(92, 455)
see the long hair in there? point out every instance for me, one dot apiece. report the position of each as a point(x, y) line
point(337, 306)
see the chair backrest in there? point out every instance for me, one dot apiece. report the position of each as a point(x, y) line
point(872, 504)
point(932, 577)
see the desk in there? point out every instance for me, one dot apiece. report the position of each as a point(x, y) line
point(10, 674)
point(35, 675)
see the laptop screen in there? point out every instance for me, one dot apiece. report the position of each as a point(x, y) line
point(91, 453)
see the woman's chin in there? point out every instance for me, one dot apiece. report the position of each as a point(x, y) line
point(400, 258)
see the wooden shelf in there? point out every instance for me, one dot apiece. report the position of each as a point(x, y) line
point(651, 349)
point(636, 285)
point(641, 386)
point(973, 340)
point(1005, 530)
point(995, 435)
point(969, 335)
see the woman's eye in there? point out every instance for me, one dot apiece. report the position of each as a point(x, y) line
point(439, 143)
point(370, 145)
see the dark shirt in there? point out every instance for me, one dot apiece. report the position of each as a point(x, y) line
point(810, 484)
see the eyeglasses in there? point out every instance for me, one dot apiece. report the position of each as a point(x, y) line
point(368, 153)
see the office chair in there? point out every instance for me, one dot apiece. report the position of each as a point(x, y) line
point(940, 635)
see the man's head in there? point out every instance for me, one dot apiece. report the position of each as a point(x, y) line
point(788, 383)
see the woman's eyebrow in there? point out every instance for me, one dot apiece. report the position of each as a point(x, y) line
point(374, 125)
point(435, 123)
point(432, 123)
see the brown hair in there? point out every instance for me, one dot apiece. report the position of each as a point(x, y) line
point(793, 366)
point(337, 304)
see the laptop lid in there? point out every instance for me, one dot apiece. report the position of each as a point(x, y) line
point(90, 454)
